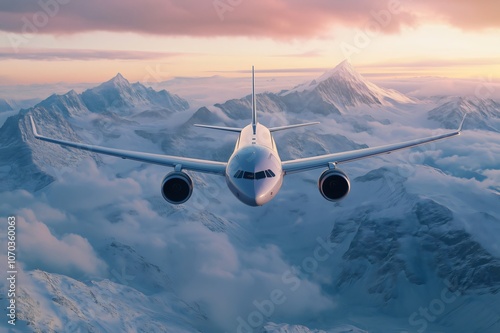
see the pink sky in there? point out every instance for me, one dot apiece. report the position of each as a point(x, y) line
point(86, 41)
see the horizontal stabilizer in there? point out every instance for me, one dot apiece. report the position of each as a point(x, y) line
point(220, 128)
point(281, 128)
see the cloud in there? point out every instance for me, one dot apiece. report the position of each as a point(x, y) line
point(276, 19)
point(467, 15)
point(432, 63)
point(88, 182)
point(223, 274)
point(71, 54)
point(40, 249)
point(280, 70)
point(441, 86)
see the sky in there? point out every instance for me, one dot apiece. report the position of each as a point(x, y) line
point(50, 41)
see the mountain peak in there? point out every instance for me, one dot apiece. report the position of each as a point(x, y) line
point(345, 87)
point(119, 93)
point(345, 64)
point(4, 106)
point(344, 70)
point(119, 80)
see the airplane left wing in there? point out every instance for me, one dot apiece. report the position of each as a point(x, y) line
point(281, 128)
point(193, 164)
point(309, 163)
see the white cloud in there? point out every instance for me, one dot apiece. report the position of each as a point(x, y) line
point(87, 188)
point(70, 254)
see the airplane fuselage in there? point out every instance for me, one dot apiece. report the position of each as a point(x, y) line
point(254, 173)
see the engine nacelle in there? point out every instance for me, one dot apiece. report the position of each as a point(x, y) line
point(334, 184)
point(177, 187)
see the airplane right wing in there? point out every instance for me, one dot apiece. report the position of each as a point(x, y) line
point(309, 163)
point(166, 160)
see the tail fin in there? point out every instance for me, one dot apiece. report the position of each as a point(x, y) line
point(254, 106)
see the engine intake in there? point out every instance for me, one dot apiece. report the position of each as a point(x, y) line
point(177, 187)
point(334, 184)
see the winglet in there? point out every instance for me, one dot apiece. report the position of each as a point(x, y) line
point(462, 124)
point(33, 127)
point(254, 106)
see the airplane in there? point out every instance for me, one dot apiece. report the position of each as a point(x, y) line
point(254, 173)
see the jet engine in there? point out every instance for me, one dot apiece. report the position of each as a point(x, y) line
point(177, 187)
point(334, 184)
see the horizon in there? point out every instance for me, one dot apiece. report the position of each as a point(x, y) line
point(267, 81)
point(56, 41)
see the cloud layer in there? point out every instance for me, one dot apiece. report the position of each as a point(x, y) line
point(276, 19)
point(68, 54)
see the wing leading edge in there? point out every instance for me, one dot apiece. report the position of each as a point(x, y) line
point(193, 164)
point(309, 163)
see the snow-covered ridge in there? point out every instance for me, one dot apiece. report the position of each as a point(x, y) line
point(55, 303)
point(120, 95)
point(345, 87)
point(481, 113)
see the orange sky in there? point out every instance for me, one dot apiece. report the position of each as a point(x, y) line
point(154, 40)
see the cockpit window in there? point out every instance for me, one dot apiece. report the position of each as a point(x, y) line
point(270, 173)
point(248, 175)
point(260, 175)
point(257, 175)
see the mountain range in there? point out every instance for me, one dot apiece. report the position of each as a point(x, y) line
point(418, 232)
point(27, 163)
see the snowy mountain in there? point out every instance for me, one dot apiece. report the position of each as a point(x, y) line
point(383, 267)
point(414, 247)
point(340, 91)
point(144, 276)
point(68, 105)
point(28, 163)
point(119, 95)
point(4, 106)
point(285, 328)
point(343, 88)
point(55, 303)
point(31, 164)
point(481, 113)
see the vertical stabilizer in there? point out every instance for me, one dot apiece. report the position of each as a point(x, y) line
point(254, 106)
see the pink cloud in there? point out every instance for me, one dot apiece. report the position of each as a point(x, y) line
point(281, 19)
point(465, 14)
point(68, 54)
point(271, 18)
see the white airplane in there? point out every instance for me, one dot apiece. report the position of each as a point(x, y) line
point(254, 172)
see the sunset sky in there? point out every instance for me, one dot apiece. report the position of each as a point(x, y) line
point(50, 41)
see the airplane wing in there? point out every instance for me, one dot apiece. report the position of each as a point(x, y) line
point(166, 160)
point(281, 128)
point(309, 163)
point(220, 128)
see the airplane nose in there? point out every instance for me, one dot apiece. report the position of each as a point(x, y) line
point(253, 194)
point(261, 196)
